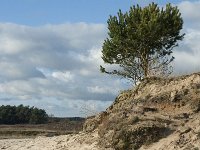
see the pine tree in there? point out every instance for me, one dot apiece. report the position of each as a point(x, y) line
point(140, 41)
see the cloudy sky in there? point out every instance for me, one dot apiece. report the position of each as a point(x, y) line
point(50, 52)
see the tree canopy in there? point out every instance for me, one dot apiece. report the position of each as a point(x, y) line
point(22, 115)
point(140, 41)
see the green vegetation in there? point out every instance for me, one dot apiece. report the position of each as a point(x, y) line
point(22, 115)
point(140, 41)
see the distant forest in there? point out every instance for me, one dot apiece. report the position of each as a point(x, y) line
point(22, 115)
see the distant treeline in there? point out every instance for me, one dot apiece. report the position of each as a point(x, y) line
point(22, 115)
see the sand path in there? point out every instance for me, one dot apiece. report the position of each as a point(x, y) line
point(79, 141)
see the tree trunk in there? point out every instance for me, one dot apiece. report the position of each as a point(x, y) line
point(146, 68)
point(145, 62)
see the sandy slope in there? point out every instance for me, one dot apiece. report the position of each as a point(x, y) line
point(80, 141)
point(158, 114)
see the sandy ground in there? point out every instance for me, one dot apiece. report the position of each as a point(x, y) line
point(79, 141)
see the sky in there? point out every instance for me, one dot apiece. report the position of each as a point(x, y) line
point(50, 53)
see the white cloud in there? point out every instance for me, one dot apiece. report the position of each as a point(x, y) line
point(54, 64)
point(189, 10)
point(102, 90)
point(188, 54)
point(63, 76)
point(192, 39)
point(85, 72)
point(10, 46)
point(12, 70)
